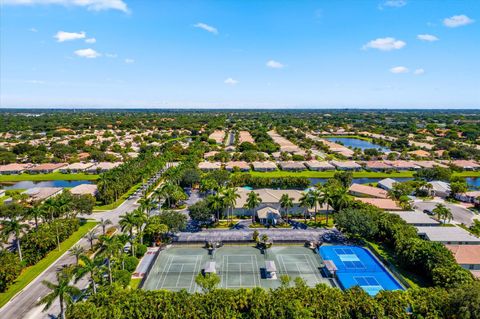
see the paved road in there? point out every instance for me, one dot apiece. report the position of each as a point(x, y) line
point(24, 304)
point(460, 214)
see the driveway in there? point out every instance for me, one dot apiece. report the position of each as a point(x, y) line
point(460, 214)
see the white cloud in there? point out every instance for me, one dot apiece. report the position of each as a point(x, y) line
point(230, 81)
point(385, 44)
point(129, 61)
point(274, 64)
point(427, 37)
point(399, 69)
point(33, 30)
point(457, 21)
point(394, 3)
point(111, 55)
point(93, 5)
point(206, 27)
point(90, 40)
point(419, 71)
point(63, 36)
point(87, 53)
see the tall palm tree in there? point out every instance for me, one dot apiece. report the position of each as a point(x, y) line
point(443, 212)
point(13, 226)
point(286, 202)
point(253, 200)
point(305, 202)
point(104, 223)
point(61, 290)
point(91, 236)
point(77, 251)
point(36, 211)
point(326, 198)
point(315, 199)
point(147, 205)
point(141, 219)
point(128, 223)
point(217, 204)
point(230, 196)
point(52, 208)
point(111, 247)
point(89, 267)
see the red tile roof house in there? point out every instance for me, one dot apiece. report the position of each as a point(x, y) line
point(46, 168)
point(264, 166)
point(367, 191)
point(403, 165)
point(346, 165)
point(382, 203)
point(241, 165)
point(319, 166)
point(84, 189)
point(466, 165)
point(469, 197)
point(13, 168)
point(292, 166)
point(467, 256)
point(429, 164)
point(376, 166)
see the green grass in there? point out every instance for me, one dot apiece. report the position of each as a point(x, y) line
point(56, 176)
point(30, 273)
point(119, 201)
point(358, 137)
point(467, 174)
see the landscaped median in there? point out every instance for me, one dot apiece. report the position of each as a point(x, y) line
point(57, 176)
point(30, 273)
point(119, 201)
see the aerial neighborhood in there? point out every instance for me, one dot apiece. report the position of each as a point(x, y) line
point(261, 199)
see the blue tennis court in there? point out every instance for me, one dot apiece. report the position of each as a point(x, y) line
point(355, 266)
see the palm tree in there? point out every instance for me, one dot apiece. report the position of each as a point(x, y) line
point(62, 290)
point(147, 205)
point(91, 236)
point(253, 200)
point(104, 223)
point(111, 248)
point(13, 226)
point(217, 204)
point(77, 251)
point(141, 219)
point(328, 199)
point(230, 199)
point(128, 222)
point(52, 209)
point(36, 211)
point(88, 266)
point(286, 203)
point(306, 203)
point(443, 212)
point(315, 198)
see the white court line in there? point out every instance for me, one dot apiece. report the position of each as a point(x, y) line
point(179, 276)
point(162, 270)
point(255, 278)
point(163, 282)
point(195, 271)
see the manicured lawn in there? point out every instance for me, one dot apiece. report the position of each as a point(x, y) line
point(358, 137)
point(57, 176)
point(30, 273)
point(119, 201)
point(467, 174)
point(314, 174)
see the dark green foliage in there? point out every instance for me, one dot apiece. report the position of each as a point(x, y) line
point(10, 268)
point(130, 263)
point(140, 250)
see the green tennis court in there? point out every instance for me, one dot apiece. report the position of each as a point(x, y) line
point(238, 267)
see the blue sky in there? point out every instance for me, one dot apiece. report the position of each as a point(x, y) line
point(252, 54)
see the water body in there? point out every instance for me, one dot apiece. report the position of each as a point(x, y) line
point(356, 143)
point(473, 183)
point(32, 184)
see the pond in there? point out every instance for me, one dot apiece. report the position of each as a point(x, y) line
point(357, 143)
point(32, 184)
point(473, 182)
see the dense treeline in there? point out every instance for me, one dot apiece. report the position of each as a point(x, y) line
point(429, 259)
point(299, 302)
point(116, 182)
point(288, 182)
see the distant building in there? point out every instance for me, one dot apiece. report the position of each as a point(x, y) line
point(440, 189)
point(46, 168)
point(467, 256)
point(264, 166)
point(346, 165)
point(319, 166)
point(209, 166)
point(13, 168)
point(76, 167)
point(382, 203)
point(241, 165)
point(415, 218)
point(469, 197)
point(386, 184)
point(84, 189)
point(367, 191)
point(448, 235)
point(292, 166)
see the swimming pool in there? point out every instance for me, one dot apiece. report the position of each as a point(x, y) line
point(356, 266)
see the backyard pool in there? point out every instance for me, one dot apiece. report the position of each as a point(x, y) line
point(356, 266)
point(357, 143)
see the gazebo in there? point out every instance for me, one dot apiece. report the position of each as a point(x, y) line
point(269, 215)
